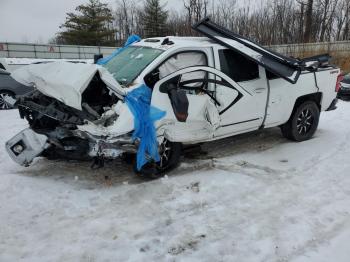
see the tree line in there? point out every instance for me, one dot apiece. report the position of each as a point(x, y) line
point(267, 22)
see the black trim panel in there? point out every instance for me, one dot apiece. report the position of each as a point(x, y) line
point(285, 67)
point(251, 120)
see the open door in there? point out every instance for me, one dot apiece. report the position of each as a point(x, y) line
point(285, 67)
point(210, 99)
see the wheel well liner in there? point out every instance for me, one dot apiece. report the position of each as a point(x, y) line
point(315, 97)
point(7, 91)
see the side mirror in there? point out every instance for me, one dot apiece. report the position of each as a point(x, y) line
point(179, 102)
point(151, 78)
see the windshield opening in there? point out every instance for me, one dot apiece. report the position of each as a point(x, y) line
point(130, 62)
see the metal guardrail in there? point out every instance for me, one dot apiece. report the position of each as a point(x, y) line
point(339, 47)
point(41, 51)
point(339, 51)
point(20, 50)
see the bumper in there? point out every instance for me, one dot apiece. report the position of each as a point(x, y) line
point(25, 146)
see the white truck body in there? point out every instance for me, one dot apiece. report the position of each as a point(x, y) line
point(265, 102)
point(229, 87)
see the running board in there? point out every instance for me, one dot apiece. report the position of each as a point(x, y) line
point(286, 67)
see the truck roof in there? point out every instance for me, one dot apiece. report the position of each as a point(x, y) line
point(156, 42)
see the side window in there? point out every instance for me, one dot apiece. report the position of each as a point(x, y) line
point(195, 85)
point(224, 97)
point(182, 60)
point(237, 66)
point(176, 62)
point(2, 67)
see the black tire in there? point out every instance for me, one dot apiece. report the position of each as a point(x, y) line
point(170, 154)
point(303, 122)
point(3, 104)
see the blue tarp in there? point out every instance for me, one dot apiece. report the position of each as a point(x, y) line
point(132, 39)
point(145, 115)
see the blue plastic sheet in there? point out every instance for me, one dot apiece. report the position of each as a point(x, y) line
point(145, 115)
point(132, 39)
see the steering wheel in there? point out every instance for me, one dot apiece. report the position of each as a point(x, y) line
point(191, 88)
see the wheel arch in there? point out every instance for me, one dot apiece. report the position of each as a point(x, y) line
point(314, 97)
point(289, 128)
point(7, 91)
point(4, 93)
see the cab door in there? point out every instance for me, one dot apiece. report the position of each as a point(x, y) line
point(249, 113)
point(213, 100)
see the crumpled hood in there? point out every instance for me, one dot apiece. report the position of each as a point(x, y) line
point(65, 81)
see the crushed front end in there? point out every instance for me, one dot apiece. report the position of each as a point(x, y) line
point(101, 129)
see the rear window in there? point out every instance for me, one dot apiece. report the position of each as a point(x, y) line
point(237, 66)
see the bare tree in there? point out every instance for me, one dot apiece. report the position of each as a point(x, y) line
point(272, 22)
point(126, 19)
point(308, 21)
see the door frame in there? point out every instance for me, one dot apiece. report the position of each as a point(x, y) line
point(159, 96)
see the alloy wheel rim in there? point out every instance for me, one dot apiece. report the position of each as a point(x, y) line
point(305, 121)
point(3, 103)
point(164, 153)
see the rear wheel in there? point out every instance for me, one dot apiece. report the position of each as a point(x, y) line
point(3, 104)
point(303, 123)
point(170, 154)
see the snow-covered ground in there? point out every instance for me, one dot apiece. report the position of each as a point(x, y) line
point(255, 197)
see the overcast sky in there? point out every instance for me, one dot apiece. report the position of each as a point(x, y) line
point(39, 20)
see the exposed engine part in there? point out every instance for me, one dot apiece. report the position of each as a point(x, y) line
point(90, 110)
point(70, 148)
point(54, 129)
point(77, 145)
point(98, 97)
point(45, 113)
point(106, 120)
point(74, 148)
point(113, 150)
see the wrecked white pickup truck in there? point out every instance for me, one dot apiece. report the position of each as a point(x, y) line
point(209, 88)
